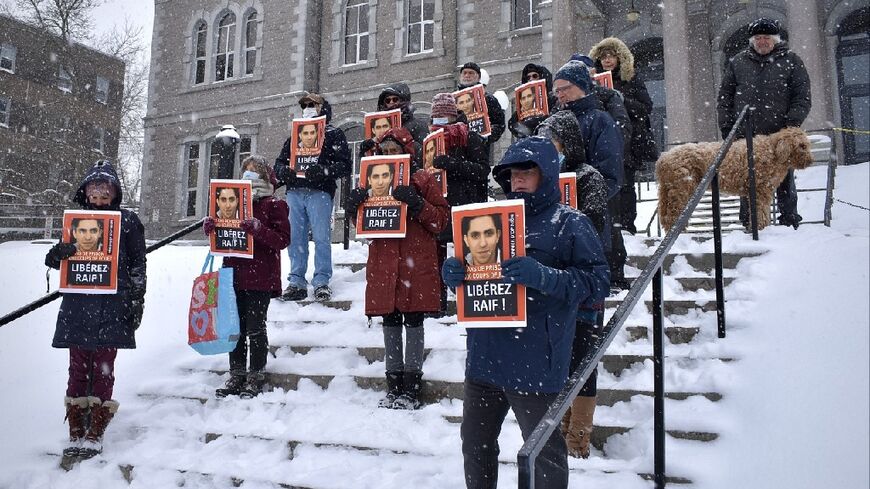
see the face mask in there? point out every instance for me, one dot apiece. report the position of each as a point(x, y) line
point(439, 121)
point(309, 112)
point(250, 175)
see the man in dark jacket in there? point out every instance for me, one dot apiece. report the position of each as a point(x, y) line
point(773, 80)
point(94, 326)
point(398, 96)
point(310, 201)
point(524, 369)
point(469, 75)
point(525, 128)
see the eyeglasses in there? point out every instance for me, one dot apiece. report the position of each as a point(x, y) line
point(392, 99)
point(607, 55)
point(308, 105)
point(561, 90)
point(533, 76)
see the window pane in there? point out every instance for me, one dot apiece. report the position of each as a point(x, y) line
point(860, 107)
point(350, 21)
point(192, 173)
point(414, 38)
point(414, 11)
point(230, 66)
point(228, 19)
point(200, 71)
point(231, 39)
point(363, 48)
point(428, 31)
point(222, 40)
point(521, 13)
point(251, 34)
point(200, 43)
point(364, 18)
point(250, 61)
point(245, 146)
point(191, 203)
point(350, 50)
point(220, 65)
point(855, 69)
point(429, 9)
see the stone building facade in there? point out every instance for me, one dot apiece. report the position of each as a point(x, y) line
point(60, 110)
point(247, 62)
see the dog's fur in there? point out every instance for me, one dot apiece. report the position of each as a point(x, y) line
point(679, 171)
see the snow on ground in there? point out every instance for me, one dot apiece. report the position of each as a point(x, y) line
point(794, 412)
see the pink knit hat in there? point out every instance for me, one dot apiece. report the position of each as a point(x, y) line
point(444, 105)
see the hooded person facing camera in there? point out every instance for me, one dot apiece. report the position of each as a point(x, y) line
point(398, 96)
point(94, 326)
point(525, 128)
point(524, 369)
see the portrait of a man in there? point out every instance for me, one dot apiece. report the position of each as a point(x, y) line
point(481, 236)
point(465, 103)
point(308, 136)
point(379, 179)
point(380, 127)
point(429, 154)
point(527, 100)
point(88, 234)
point(227, 202)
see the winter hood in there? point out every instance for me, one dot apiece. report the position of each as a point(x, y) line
point(623, 54)
point(400, 90)
point(101, 171)
point(541, 70)
point(540, 152)
point(564, 127)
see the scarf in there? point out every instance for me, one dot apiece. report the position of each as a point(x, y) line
point(262, 188)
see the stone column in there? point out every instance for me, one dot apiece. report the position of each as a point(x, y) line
point(678, 86)
point(805, 39)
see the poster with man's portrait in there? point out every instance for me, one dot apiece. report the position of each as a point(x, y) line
point(434, 145)
point(378, 123)
point(471, 101)
point(530, 100)
point(93, 269)
point(381, 215)
point(485, 235)
point(605, 79)
point(306, 142)
point(229, 204)
point(568, 189)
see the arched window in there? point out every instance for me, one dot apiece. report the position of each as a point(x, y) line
point(251, 43)
point(853, 64)
point(226, 41)
point(200, 33)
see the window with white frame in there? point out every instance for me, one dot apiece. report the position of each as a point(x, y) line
point(7, 57)
point(250, 43)
point(99, 141)
point(356, 32)
point(226, 41)
point(525, 14)
point(199, 53)
point(102, 93)
point(421, 26)
point(64, 79)
point(5, 108)
point(191, 170)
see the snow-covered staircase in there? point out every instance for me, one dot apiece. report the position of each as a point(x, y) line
point(320, 427)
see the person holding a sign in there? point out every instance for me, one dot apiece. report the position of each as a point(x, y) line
point(402, 278)
point(310, 201)
point(526, 127)
point(524, 369)
point(398, 96)
point(94, 326)
point(469, 75)
point(256, 280)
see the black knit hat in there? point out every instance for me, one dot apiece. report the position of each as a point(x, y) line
point(471, 66)
point(764, 26)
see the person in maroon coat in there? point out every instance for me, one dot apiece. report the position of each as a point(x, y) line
point(403, 281)
point(256, 280)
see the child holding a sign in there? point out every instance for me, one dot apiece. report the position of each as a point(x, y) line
point(256, 280)
point(402, 279)
point(94, 326)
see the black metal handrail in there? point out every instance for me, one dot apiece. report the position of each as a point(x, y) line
point(651, 273)
point(28, 308)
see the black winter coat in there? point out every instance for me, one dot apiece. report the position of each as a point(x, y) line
point(91, 321)
point(467, 176)
point(777, 85)
point(639, 105)
point(335, 158)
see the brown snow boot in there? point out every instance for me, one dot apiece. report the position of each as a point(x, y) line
point(76, 416)
point(566, 422)
point(580, 427)
point(102, 413)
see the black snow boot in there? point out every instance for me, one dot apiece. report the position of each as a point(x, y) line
point(233, 387)
point(254, 385)
point(394, 389)
point(411, 391)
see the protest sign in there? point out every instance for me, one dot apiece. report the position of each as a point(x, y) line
point(472, 102)
point(434, 145)
point(306, 142)
point(93, 269)
point(531, 100)
point(378, 123)
point(568, 189)
point(381, 215)
point(230, 204)
point(605, 79)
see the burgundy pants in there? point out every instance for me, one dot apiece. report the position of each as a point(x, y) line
point(91, 367)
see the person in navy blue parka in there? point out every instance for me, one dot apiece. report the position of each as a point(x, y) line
point(524, 369)
point(94, 326)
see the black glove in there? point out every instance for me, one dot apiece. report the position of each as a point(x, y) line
point(367, 145)
point(137, 307)
point(284, 174)
point(58, 252)
point(408, 195)
point(354, 198)
point(316, 173)
point(443, 162)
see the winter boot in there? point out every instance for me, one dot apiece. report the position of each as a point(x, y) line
point(292, 293)
point(322, 293)
point(102, 413)
point(394, 389)
point(580, 428)
point(412, 385)
point(233, 387)
point(254, 385)
point(76, 413)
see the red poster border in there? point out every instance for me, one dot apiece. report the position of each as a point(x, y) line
point(295, 152)
point(111, 241)
point(246, 211)
point(402, 177)
point(569, 180)
point(478, 92)
point(540, 92)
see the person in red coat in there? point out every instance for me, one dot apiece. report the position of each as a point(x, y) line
point(403, 281)
point(256, 280)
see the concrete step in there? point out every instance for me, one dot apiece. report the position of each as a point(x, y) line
point(677, 334)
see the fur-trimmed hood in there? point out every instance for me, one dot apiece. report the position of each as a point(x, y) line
point(626, 59)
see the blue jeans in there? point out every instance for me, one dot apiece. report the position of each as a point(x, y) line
point(310, 209)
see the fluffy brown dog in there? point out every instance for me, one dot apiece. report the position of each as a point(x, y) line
point(679, 170)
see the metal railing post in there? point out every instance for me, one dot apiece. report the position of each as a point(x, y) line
point(832, 173)
point(717, 253)
point(750, 157)
point(345, 189)
point(658, 381)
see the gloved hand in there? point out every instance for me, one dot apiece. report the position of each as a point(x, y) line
point(316, 173)
point(285, 174)
point(58, 252)
point(367, 145)
point(408, 195)
point(208, 226)
point(252, 225)
point(452, 272)
point(137, 307)
point(442, 162)
point(523, 270)
point(355, 198)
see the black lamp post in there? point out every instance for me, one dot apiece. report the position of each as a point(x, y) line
point(228, 139)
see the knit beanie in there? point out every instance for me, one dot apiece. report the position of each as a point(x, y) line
point(471, 66)
point(577, 73)
point(586, 60)
point(444, 105)
point(764, 26)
